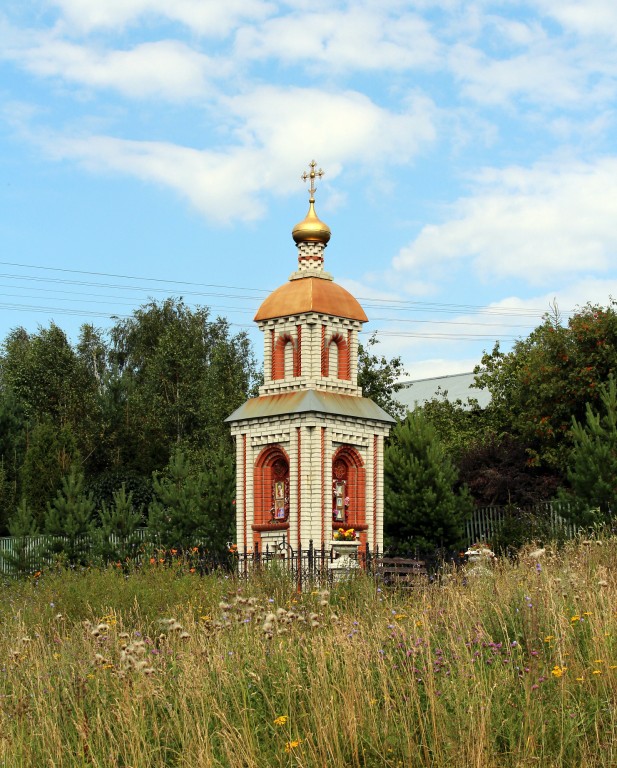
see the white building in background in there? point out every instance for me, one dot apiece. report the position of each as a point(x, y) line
point(457, 386)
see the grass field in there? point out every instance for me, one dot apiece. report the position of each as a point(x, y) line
point(515, 666)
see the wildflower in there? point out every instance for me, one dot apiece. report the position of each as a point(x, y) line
point(558, 671)
point(548, 638)
point(597, 672)
point(291, 745)
point(575, 618)
point(281, 720)
point(580, 679)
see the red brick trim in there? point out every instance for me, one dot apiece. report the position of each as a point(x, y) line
point(244, 539)
point(344, 363)
point(323, 484)
point(375, 475)
point(278, 357)
point(272, 353)
point(325, 361)
point(298, 349)
point(348, 377)
point(299, 467)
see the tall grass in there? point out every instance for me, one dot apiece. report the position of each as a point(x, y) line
point(512, 666)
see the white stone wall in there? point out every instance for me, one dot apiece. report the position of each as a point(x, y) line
point(315, 495)
point(310, 378)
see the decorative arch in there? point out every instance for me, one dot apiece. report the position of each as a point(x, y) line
point(348, 469)
point(271, 487)
point(278, 357)
point(339, 345)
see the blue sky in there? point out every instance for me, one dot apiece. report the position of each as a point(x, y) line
point(469, 150)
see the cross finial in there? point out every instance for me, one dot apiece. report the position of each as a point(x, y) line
point(312, 175)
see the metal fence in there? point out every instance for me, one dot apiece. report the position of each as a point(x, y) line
point(31, 553)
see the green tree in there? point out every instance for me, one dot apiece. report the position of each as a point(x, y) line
point(380, 378)
point(116, 537)
point(25, 555)
point(182, 374)
point(423, 508)
point(188, 507)
point(69, 520)
point(549, 378)
point(49, 456)
point(592, 470)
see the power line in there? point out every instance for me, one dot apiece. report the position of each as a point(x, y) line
point(370, 302)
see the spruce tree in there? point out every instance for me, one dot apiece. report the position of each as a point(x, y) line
point(69, 520)
point(186, 509)
point(423, 508)
point(116, 538)
point(592, 470)
point(25, 554)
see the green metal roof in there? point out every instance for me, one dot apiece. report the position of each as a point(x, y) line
point(310, 401)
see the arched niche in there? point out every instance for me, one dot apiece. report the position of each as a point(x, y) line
point(349, 476)
point(271, 489)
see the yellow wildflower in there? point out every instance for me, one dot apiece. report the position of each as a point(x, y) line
point(292, 745)
point(548, 638)
point(597, 672)
point(558, 671)
point(281, 720)
point(575, 618)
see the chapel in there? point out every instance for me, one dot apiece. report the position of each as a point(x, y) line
point(309, 448)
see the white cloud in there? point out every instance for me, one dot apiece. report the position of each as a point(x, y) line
point(355, 39)
point(337, 127)
point(545, 76)
point(273, 127)
point(206, 17)
point(589, 18)
point(166, 68)
point(532, 224)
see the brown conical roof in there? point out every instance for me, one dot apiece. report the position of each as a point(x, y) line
point(310, 294)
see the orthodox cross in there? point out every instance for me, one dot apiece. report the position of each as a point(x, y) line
point(305, 176)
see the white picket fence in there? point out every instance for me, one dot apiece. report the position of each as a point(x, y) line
point(482, 526)
point(32, 547)
point(486, 521)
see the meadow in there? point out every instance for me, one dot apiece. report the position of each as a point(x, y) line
point(514, 665)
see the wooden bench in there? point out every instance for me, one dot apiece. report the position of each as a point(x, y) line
point(400, 571)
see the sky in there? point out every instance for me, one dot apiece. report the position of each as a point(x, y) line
point(154, 148)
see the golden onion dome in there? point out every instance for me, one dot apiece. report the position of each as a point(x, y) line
point(311, 229)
